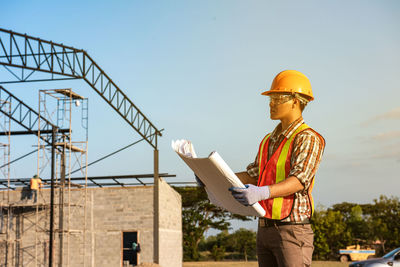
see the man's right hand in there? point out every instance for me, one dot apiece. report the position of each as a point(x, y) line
point(198, 181)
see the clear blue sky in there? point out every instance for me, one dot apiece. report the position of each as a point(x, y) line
point(197, 68)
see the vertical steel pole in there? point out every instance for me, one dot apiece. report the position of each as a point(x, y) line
point(61, 205)
point(53, 150)
point(156, 194)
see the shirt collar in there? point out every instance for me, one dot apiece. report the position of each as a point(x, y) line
point(287, 133)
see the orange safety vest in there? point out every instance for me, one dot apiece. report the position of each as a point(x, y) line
point(275, 170)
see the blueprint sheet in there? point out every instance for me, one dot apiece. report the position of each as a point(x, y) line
point(217, 177)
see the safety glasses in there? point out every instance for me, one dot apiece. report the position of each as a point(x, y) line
point(279, 99)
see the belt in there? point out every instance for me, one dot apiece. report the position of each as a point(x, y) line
point(264, 222)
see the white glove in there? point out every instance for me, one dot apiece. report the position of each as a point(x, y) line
point(250, 194)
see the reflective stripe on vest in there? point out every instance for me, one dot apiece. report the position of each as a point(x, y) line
point(279, 166)
point(266, 138)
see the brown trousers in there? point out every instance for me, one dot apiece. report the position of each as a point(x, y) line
point(285, 245)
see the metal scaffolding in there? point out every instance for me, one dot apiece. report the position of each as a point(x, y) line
point(29, 59)
point(67, 154)
point(57, 154)
point(6, 213)
point(15, 211)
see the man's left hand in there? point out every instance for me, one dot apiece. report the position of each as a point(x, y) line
point(251, 194)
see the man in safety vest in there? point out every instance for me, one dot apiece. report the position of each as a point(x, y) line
point(282, 177)
point(35, 185)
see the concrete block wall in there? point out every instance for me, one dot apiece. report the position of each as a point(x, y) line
point(109, 212)
point(170, 227)
point(117, 210)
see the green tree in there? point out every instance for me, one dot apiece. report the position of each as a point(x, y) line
point(198, 216)
point(241, 244)
point(220, 240)
point(243, 241)
point(217, 252)
point(321, 247)
point(385, 222)
point(381, 233)
point(371, 222)
point(358, 224)
point(330, 232)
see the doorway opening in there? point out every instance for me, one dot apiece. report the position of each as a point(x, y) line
point(131, 248)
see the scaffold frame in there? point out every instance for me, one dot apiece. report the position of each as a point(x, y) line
point(69, 152)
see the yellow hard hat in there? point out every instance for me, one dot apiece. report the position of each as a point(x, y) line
point(291, 81)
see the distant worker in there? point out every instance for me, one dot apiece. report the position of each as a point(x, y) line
point(136, 247)
point(282, 177)
point(35, 185)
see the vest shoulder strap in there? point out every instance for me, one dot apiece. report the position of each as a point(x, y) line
point(285, 149)
point(262, 145)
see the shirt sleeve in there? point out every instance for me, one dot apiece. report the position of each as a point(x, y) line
point(307, 152)
point(253, 169)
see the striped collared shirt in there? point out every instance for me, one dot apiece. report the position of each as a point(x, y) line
point(306, 155)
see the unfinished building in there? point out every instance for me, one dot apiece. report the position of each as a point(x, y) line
point(100, 235)
point(77, 219)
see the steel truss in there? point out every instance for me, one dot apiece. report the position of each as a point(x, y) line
point(25, 116)
point(30, 59)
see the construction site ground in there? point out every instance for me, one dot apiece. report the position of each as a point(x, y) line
point(254, 264)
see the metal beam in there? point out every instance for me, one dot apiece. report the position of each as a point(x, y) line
point(15, 160)
point(156, 217)
point(33, 55)
point(110, 154)
point(53, 177)
point(113, 184)
point(33, 132)
point(94, 179)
